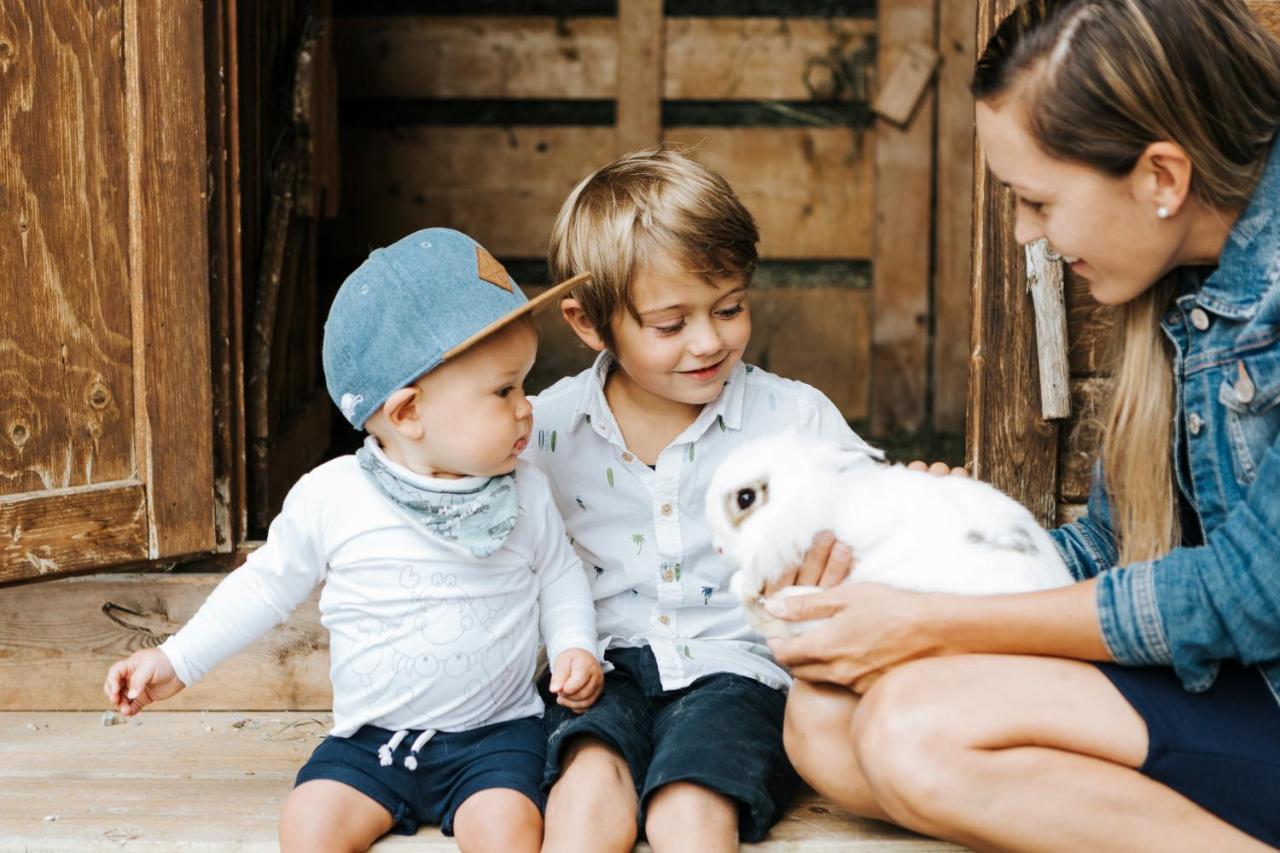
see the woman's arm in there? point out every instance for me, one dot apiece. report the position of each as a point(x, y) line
point(874, 628)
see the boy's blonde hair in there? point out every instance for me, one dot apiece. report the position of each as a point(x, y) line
point(647, 206)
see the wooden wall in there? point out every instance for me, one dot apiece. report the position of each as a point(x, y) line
point(483, 119)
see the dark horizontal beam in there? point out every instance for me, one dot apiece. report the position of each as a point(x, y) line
point(450, 112)
point(609, 8)
point(770, 275)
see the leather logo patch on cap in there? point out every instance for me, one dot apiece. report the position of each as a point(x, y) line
point(491, 271)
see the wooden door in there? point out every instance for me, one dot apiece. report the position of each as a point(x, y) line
point(105, 401)
point(1044, 464)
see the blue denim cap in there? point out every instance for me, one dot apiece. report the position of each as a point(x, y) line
point(411, 306)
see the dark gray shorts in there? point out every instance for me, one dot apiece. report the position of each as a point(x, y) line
point(723, 732)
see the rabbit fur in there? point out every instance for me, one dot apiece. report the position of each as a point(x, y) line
point(908, 529)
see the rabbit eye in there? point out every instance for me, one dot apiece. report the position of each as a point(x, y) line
point(738, 505)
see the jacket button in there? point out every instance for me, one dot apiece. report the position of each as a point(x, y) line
point(1199, 319)
point(1245, 389)
point(1195, 424)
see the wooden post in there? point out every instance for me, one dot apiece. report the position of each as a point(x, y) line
point(640, 63)
point(903, 232)
point(1007, 443)
point(1044, 283)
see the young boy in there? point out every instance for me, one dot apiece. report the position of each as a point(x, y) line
point(686, 742)
point(440, 554)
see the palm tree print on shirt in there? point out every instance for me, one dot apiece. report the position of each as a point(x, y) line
point(637, 539)
point(706, 594)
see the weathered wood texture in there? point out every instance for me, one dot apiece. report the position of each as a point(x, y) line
point(69, 631)
point(1007, 442)
point(104, 327)
point(902, 256)
point(810, 189)
point(641, 56)
point(953, 215)
point(543, 57)
point(1044, 274)
point(170, 781)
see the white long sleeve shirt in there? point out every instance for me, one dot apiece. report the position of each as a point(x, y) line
point(421, 635)
point(642, 533)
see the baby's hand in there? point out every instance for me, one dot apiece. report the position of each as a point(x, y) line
point(140, 679)
point(576, 679)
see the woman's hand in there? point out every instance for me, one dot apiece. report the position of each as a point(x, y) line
point(825, 564)
point(938, 469)
point(871, 629)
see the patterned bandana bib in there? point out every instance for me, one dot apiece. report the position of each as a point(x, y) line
point(476, 521)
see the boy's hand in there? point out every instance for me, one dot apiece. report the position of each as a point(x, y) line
point(576, 679)
point(826, 564)
point(140, 679)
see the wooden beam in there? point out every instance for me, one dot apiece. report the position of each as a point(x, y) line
point(169, 263)
point(71, 530)
point(903, 234)
point(1007, 443)
point(640, 74)
point(953, 215)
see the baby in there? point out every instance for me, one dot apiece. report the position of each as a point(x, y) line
point(441, 555)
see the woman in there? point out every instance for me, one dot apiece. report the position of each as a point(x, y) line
point(1138, 136)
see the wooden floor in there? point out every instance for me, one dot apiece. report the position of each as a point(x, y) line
point(215, 781)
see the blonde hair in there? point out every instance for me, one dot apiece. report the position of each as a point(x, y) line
point(1101, 81)
point(650, 205)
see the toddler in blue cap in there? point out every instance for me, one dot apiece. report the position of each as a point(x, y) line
point(443, 558)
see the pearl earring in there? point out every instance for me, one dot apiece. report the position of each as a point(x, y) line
point(1162, 212)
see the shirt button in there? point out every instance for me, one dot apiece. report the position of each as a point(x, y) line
point(1195, 424)
point(1199, 319)
point(666, 509)
point(664, 620)
point(668, 576)
point(627, 457)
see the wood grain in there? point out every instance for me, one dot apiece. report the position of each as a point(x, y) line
point(1007, 443)
point(71, 630)
point(903, 234)
point(1044, 280)
point(170, 781)
point(66, 383)
point(1081, 442)
point(71, 530)
point(168, 257)
point(953, 216)
point(641, 51)
point(1268, 12)
point(809, 189)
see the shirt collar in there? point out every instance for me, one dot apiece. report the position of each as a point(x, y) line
point(727, 407)
point(1247, 268)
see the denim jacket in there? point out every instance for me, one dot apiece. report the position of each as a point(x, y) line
point(1218, 599)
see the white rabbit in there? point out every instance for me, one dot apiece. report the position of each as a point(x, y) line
point(906, 528)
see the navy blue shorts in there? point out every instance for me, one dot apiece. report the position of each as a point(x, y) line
point(451, 767)
point(1220, 748)
point(723, 732)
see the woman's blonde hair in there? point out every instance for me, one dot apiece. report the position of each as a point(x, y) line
point(1101, 81)
point(650, 205)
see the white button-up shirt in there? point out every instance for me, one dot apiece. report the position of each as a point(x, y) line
point(641, 532)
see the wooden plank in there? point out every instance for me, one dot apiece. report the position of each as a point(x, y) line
point(640, 74)
point(953, 215)
point(168, 257)
point(66, 381)
point(1068, 513)
point(179, 781)
point(1081, 442)
point(1268, 12)
point(1007, 444)
point(810, 189)
point(784, 59)
point(821, 336)
point(72, 630)
point(1090, 326)
point(1045, 274)
point(903, 234)
point(71, 530)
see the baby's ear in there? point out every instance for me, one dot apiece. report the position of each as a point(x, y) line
point(403, 412)
point(581, 325)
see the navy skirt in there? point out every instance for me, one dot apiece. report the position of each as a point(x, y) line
point(1220, 748)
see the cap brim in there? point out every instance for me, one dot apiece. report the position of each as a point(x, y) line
point(531, 307)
